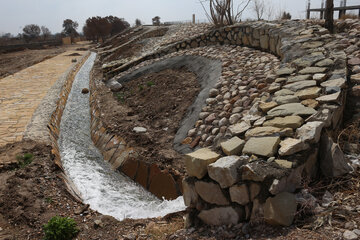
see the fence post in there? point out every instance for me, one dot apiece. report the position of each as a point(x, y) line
point(193, 20)
point(322, 12)
point(308, 10)
point(329, 16)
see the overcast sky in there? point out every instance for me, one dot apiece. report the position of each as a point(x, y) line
point(15, 14)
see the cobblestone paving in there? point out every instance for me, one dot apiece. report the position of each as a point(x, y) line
point(21, 93)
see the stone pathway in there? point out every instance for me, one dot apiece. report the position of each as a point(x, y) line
point(21, 93)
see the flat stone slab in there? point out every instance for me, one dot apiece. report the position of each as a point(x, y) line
point(239, 128)
point(298, 78)
point(262, 131)
point(285, 122)
point(283, 92)
point(262, 146)
point(285, 71)
point(308, 93)
point(291, 109)
point(339, 82)
point(325, 63)
point(225, 170)
point(196, 163)
point(335, 97)
point(320, 77)
point(296, 86)
point(233, 146)
point(313, 70)
point(265, 107)
point(286, 99)
point(291, 146)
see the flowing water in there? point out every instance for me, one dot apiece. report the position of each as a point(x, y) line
point(106, 191)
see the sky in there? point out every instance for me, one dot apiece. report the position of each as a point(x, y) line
point(15, 14)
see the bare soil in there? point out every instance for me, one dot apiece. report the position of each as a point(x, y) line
point(13, 62)
point(31, 194)
point(157, 102)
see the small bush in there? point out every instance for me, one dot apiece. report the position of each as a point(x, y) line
point(25, 159)
point(150, 83)
point(60, 228)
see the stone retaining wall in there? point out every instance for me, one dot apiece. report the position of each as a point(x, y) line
point(282, 141)
point(123, 158)
point(54, 125)
point(158, 32)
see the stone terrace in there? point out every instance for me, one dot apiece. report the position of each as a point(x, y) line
point(268, 126)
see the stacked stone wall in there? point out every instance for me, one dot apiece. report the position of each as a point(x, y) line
point(282, 141)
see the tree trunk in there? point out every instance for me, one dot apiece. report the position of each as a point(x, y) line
point(329, 16)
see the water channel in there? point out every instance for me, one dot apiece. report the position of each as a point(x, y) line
point(107, 191)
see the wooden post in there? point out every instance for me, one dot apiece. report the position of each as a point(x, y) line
point(322, 12)
point(193, 19)
point(308, 10)
point(329, 16)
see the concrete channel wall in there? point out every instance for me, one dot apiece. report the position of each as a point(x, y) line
point(55, 120)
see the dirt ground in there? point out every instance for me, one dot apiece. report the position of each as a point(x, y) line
point(157, 102)
point(31, 193)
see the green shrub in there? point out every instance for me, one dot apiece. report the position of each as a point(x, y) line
point(60, 228)
point(150, 83)
point(24, 160)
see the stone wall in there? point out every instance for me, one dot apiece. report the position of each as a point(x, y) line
point(123, 158)
point(282, 141)
point(157, 32)
point(54, 125)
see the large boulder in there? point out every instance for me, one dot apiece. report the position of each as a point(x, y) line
point(211, 192)
point(196, 163)
point(225, 170)
point(239, 194)
point(219, 216)
point(332, 160)
point(190, 196)
point(310, 132)
point(281, 209)
point(291, 109)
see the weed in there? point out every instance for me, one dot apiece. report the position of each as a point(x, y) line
point(48, 200)
point(25, 159)
point(150, 83)
point(120, 97)
point(141, 87)
point(60, 228)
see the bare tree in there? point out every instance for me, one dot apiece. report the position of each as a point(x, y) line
point(45, 32)
point(329, 15)
point(259, 8)
point(156, 21)
point(138, 22)
point(31, 31)
point(223, 12)
point(270, 12)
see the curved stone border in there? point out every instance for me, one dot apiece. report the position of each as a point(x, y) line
point(240, 187)
point(54, 123)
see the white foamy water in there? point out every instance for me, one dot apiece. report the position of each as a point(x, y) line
point(107, 191)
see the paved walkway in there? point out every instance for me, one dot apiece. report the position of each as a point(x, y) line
point(21, 93)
